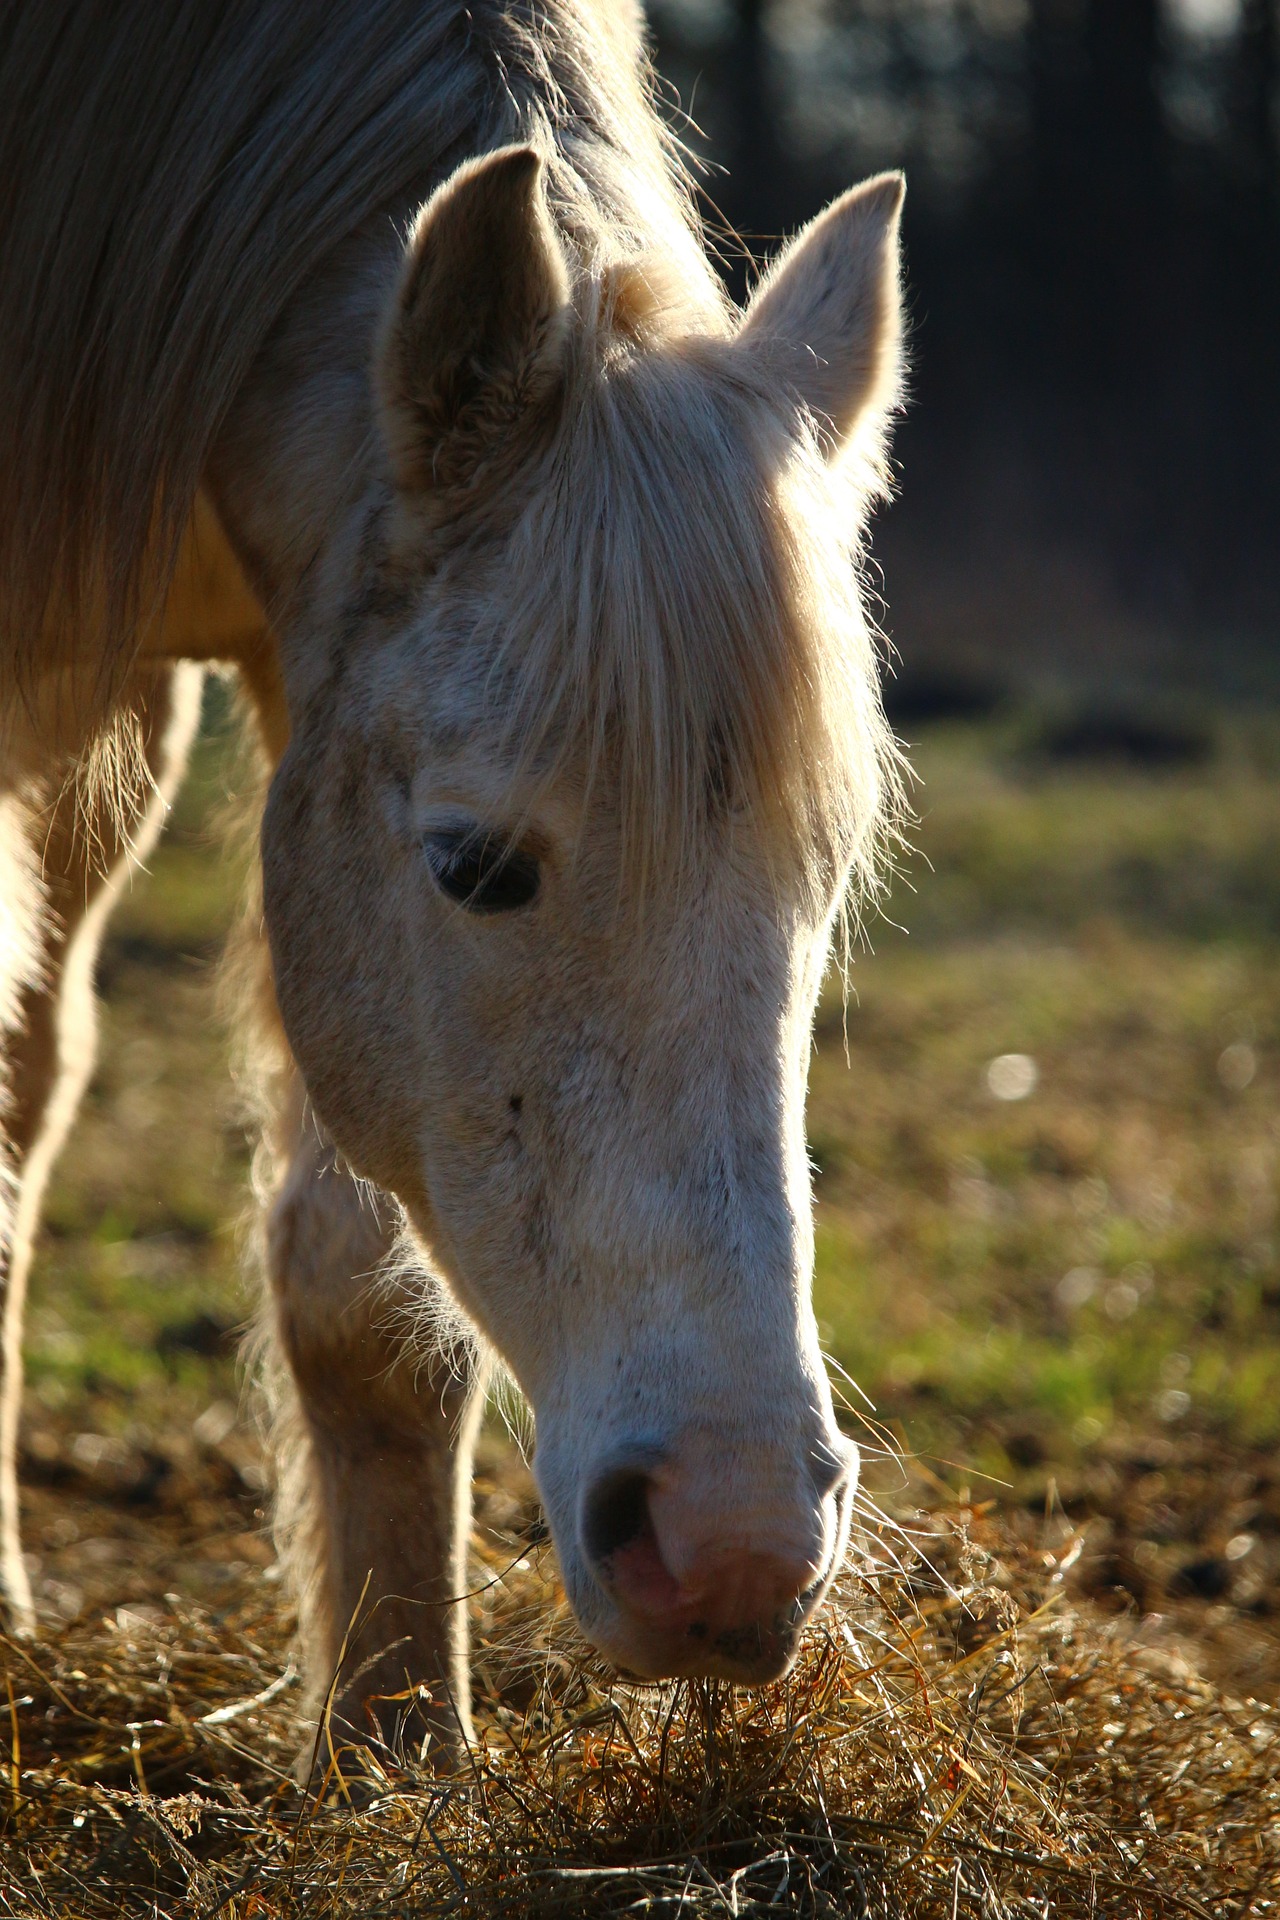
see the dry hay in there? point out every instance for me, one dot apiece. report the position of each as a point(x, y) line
point(958, 1739)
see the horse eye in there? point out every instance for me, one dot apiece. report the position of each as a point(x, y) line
point(482, 872)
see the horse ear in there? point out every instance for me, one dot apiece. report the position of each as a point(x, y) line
point(475, 338)
point(832, 299)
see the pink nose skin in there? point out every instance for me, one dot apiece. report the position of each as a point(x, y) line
point(736, 1606)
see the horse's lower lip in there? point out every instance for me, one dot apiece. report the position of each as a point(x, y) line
point(686, 1648)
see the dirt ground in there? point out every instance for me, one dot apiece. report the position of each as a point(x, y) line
point(1066, 1303)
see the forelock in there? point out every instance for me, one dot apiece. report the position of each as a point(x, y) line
point(681, 609)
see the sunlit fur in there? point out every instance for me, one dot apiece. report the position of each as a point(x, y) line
point(389, 328)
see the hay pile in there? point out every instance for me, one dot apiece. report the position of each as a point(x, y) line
point(958, 1739)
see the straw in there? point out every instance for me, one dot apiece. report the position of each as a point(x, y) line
point(959, 1738)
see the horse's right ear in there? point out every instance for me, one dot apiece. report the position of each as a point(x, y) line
point(474, 344)
point(829, 313)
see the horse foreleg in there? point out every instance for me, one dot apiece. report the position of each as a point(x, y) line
point(20, 977)
point(63, 861)
point(375, 1443)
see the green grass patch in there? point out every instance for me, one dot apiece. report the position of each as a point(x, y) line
point(1007, 1279)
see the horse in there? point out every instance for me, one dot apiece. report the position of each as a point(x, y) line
point(374, 347)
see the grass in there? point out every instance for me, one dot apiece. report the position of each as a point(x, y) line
point(1102, 1250)
point(141, 1240)
point(1118, 928)
point(950, 1219)
point(1065, 1307)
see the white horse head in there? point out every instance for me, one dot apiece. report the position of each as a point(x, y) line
point(587, 755)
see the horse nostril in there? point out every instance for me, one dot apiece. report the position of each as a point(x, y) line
point(616, 1513)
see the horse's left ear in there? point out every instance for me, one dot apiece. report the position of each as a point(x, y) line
point(474, 342)
point(830, 307)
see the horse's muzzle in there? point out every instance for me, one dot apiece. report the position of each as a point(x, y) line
point(699, 1592)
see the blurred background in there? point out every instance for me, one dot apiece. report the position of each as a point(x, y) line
point(1046, 1130)
point(1091, 460)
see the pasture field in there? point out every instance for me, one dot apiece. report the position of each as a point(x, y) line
point(1076, 1293)
point(1064, 1306)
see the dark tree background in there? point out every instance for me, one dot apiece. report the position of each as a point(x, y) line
point(1090, 465)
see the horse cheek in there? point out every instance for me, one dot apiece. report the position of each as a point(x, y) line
point(342, 977)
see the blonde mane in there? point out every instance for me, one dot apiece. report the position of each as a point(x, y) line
point(680, 595)
point(173, 170)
